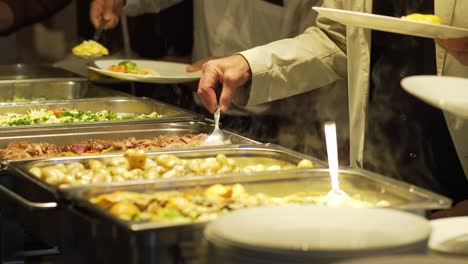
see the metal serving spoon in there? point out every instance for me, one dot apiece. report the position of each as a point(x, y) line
point(216, 137)
point(336, 196)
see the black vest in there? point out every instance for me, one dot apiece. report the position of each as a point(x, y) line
point(406, 138)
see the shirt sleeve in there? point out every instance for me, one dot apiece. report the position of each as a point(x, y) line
point(297, 65)
point(140, 7)
point(27, 12)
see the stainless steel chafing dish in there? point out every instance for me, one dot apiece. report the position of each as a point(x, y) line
point(46, 214)
point(51, 89)
point(72, 135)
point(32, 71)
point(244, 155)
point(137, 242)
point(122, 105)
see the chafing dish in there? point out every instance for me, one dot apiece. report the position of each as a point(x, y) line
point(244, 155)
point(124, 106)
point(32, 71)
point(73, 135)
point(20, 187)
point(137, 242)
point(51, 89)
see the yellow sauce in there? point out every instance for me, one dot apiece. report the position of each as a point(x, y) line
point(90, 48)
point(433, 19)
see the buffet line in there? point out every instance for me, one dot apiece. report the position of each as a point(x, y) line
point(110, 178)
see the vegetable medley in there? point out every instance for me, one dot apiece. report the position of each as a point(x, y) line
point(128, 67)
point(43, 116)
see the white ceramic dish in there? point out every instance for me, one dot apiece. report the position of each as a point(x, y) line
point(392, 24)
point(446, 93)
point(159, 71)
point(301, 234)
point(450, 235)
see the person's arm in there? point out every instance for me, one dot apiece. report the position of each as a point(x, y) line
point(25, 12)
point(456, 47)
point(280, 69)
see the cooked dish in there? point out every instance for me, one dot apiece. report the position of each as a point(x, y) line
point(129, 67)
point(90, 48)
point(24, 150)
point(43, 116)
point(194, 205)
point(135, 165)
point(428, 18)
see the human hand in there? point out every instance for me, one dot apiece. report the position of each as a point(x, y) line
point(196, 66)
point(456, 47)
point(106, 12)
point(230, 72)
point(460, 209)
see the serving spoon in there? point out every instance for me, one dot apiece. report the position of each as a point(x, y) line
point(217, 136)
point(336, 196)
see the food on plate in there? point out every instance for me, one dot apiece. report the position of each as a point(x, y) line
point(128, 67)
point(427, 18)
point(194, 205)
point(24, 150)
point(135, 165)
point(90, 48)
point(44, 116)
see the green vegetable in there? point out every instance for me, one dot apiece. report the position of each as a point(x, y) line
point(69, 153)
point(109, 149)
point(130, 66)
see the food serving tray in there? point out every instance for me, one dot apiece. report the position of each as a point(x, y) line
point(74, 135)
point(40, 206)
point(138, 242)
point(52, 89)
point(32, 71)
point(245, 154)
point(124, 106)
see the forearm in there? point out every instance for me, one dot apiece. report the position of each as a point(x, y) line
point(139, 7)
point(26, 12)
point(292, 66)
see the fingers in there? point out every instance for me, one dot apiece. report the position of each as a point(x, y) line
point(456, 47)
point(196, 66)
point(207, 86)
point(226, 97)
point(95, 12)
point(105, 13)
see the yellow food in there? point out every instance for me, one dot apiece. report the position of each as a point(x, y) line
point(90, 48)
point(199, 204)
point(136, 165)
point(427, 18)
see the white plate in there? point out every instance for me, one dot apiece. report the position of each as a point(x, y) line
point(450, 235)
point(447, 93)
point(391, 24)
point(319, 229)
point(160, 71)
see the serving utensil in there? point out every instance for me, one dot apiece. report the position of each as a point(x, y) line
point(217, 136)
point(336, 196)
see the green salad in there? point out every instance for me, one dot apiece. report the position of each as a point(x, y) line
point(43, 116)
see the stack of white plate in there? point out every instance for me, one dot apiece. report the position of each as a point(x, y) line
point(313, 234)
point(450, 236)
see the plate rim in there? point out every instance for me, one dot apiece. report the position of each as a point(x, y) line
point(389, 18)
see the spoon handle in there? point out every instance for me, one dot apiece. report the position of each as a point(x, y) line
point(98, 32)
